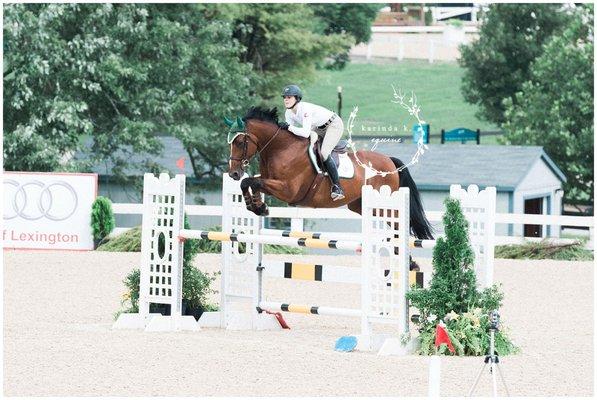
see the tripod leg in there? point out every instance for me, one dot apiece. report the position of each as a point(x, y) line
point(503, 380)
point(470, 393)
point(493, 381)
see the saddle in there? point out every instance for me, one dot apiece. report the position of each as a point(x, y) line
point(340, 148)
point(316, 158)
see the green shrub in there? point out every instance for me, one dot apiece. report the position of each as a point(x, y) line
point(195, 283)
point(131, 241)
point(102, 218)
point(545, 250)
point(452, 295)
point(128, 241)
point(195, 289)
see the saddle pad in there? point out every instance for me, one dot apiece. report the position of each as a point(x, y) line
point(345, 169)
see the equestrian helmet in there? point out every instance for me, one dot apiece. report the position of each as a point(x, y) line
point(292, 90)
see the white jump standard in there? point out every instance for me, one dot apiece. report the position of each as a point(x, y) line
point(383, 277)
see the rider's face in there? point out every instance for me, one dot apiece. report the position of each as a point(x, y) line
point(289, 101)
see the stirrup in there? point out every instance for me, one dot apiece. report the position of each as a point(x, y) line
point(337, 196)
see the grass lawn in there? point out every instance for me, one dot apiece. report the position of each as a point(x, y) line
point(369, 86)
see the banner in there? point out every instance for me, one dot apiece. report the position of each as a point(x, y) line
point(49, 211)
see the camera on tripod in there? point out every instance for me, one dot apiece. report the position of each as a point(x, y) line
point(491, 358)
point(494, 320)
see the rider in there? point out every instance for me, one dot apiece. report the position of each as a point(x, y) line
point(315, 120)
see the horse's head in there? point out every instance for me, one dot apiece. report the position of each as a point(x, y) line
point(243, 147)
point(247, 139)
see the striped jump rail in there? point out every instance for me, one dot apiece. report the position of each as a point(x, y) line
point(423, 244)
point(312, 235)
point(309, 309)
point(413, 243)
point(268, 239)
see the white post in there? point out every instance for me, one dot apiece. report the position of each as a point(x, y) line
point(434, 376)
point(241, 283)
point(385, 274)
point(297, 224)
point(479, 210)
point(161, 274)
point(368, 51)
point(545, 212)
point(431, 51)
point(403, 259)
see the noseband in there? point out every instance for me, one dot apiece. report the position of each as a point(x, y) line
point(246, 138)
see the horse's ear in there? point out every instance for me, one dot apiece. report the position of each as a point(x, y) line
point(239, 123)
point(228, 122)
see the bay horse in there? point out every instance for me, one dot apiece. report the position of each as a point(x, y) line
point(287, 174)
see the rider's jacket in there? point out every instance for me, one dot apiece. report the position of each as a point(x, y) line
point(309, 116)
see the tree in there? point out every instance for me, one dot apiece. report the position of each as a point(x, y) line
point(452, 295)
point(510, 38)
point(283, 45)
point(554, 109)
point(121, 74)
point(349, 18)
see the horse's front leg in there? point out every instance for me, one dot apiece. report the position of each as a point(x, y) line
point(252, 189)
point(249, 194)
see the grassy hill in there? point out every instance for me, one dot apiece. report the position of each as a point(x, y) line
point(369, 86)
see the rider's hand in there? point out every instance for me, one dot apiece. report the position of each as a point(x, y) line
point(313, 137)
point(283, 125)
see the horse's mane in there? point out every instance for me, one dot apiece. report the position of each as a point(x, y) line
point(262, 114)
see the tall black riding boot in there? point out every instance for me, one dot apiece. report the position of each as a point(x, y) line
point(337, 193)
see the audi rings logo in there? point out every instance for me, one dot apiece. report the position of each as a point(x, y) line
point(33, 200)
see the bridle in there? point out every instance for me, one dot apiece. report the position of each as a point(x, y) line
point(246, 138)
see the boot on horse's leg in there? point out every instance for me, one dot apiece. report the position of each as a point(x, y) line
point(248, 201)
point(245, 186)
point(253, 201)
point(337, 192)
point(259, 206)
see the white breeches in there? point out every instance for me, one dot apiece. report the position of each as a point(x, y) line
point(332, 137)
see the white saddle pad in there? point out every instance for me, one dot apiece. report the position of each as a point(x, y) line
point(345, 169)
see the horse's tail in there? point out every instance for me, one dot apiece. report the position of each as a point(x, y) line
point(419, 225)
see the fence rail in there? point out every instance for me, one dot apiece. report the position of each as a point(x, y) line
point(297, 215)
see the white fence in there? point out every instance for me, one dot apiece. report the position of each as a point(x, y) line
point(298, 215)
point(431, 43)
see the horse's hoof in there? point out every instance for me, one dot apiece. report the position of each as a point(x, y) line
point(262, 210)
